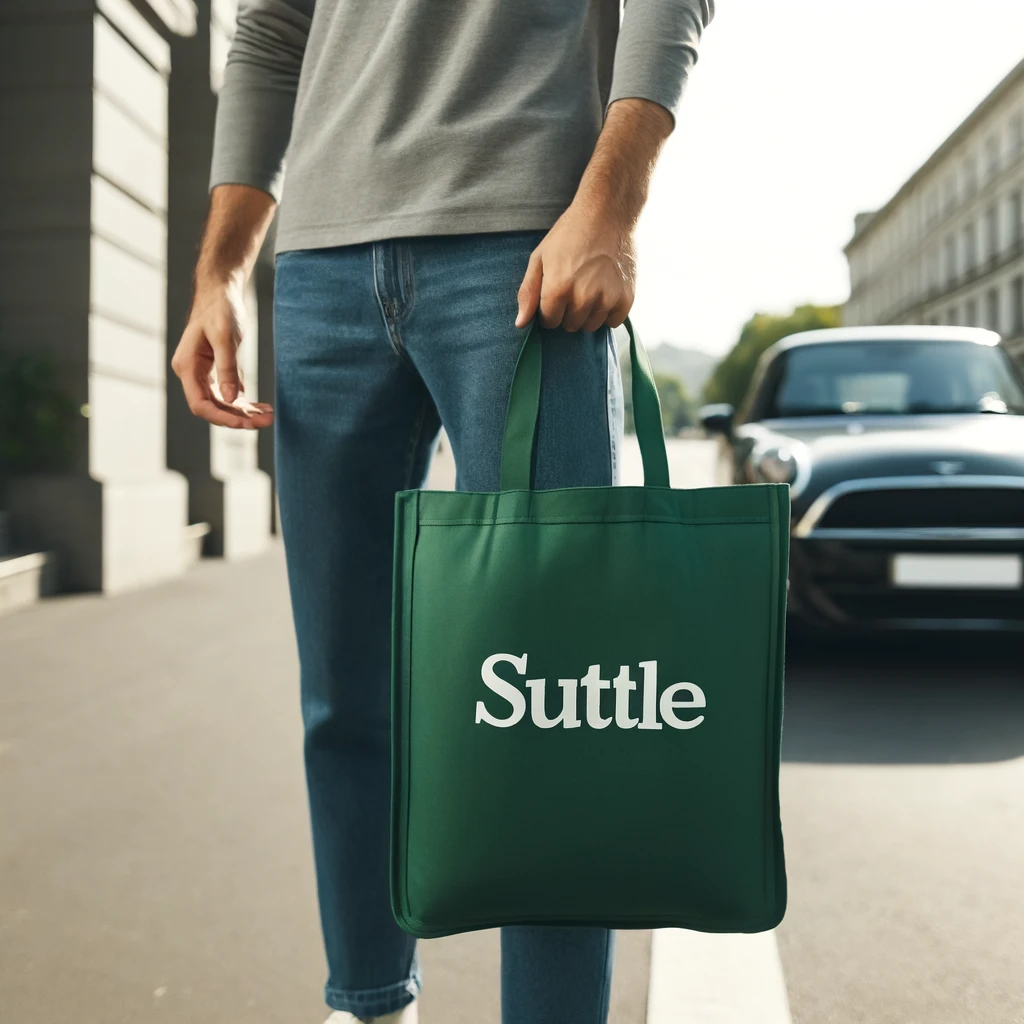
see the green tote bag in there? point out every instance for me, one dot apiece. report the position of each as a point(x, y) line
point(587, 695)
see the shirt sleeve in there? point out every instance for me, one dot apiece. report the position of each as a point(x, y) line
point(257, 99)
point(656, 48)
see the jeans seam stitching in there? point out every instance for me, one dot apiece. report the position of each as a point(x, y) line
point(394, 338)
point(384, 1000)
point(398, 344)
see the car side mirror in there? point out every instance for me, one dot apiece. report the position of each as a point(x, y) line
point(717, 419)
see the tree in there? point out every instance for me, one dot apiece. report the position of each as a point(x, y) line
point(732, 376)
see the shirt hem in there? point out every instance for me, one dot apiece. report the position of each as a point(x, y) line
point(437, 222)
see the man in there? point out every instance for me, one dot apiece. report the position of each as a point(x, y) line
point(455, 168)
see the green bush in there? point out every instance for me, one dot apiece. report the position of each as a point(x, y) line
point(37, 416)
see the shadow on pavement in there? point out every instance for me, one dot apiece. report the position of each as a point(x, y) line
point(909, 700)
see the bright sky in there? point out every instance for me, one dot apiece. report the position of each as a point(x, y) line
point(799, 114)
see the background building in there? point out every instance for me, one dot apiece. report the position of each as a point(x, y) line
point(106, 110)
point(948, 248)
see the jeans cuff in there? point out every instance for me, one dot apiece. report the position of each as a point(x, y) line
point(374, 1002)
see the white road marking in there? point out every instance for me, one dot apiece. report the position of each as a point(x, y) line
point(699, 978)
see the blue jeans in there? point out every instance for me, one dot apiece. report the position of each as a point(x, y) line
point(377, 346)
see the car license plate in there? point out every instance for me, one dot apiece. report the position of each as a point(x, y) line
point(968, 572)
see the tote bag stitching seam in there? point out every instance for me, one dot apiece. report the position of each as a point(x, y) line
point(544, 520)
point(407, 679)
point(770, 696)
point(762, 922)
point(782, 505)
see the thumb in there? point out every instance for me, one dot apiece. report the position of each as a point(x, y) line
point(225, 361)
point(529, 291)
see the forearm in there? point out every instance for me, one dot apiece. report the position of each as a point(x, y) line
point(616, 181)
point(236, 226)
point(206, 357)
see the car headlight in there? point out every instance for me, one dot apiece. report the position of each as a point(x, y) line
point(778, 465)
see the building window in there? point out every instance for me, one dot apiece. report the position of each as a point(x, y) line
point(1016, 218)
point(971, 313)
point(951, 261)
point(992, 155)
point(970, 176)
point(1017, 306)
point(1016, 135)
point(970, 248)
point(992, 231)
point(992, 309)
point(951, 316)
point(949, 190)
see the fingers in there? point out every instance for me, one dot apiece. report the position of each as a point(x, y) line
point(202, 403)
point(224, 342)
point(553, 302)
point(588, 310)
point(598, 317)
point(193, 362)
point(587, 313)
point(567, 304)
point(529, 291)
point(617, 316)
point(585, 305)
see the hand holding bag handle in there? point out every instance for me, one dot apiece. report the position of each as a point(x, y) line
point(524, 404)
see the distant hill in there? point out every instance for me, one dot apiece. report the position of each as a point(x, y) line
point(691, 366)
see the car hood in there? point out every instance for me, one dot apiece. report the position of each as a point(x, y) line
point(946, 447)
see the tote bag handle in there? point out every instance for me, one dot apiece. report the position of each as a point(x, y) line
point(524, 403)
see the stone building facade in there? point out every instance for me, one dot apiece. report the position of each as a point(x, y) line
point(948, 248)
point(106, 111)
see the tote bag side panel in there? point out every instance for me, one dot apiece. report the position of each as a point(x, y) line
point(776, 864)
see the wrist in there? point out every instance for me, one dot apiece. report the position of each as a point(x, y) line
point(236, 225)
point(608, 213)
point(615, 183)
point(214, 277)
point(213, 286)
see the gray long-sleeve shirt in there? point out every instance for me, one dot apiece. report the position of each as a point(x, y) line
point(424, 117)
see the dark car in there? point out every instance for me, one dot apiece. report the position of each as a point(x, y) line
point(904, 450)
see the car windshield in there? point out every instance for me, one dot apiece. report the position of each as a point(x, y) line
point(893, 378)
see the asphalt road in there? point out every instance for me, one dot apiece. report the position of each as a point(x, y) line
point(154, 855)
point(903, 803)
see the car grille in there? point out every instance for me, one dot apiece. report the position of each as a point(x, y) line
point(926, 507)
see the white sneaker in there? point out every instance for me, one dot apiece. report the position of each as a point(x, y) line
point(409, 1015)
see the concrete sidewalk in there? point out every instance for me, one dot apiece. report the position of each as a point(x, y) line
point(154, 855)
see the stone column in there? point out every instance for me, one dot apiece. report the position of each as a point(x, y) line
point(83, 228)
point(227, 489)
